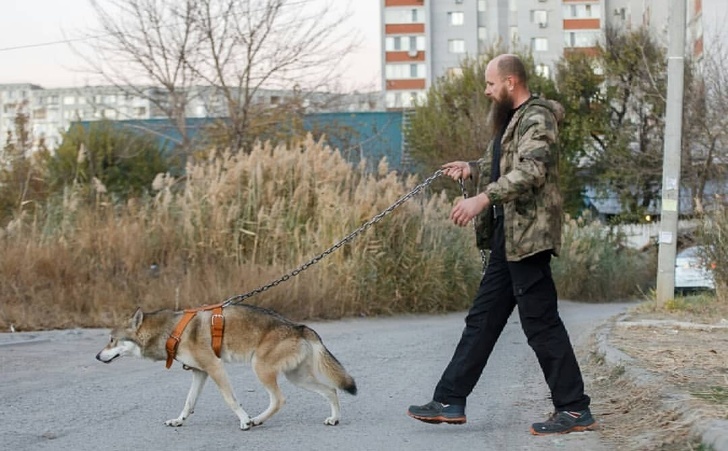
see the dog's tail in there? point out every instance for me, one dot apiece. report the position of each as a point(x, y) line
point(328, 365)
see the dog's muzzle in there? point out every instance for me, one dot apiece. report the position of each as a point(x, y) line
point(100, 359)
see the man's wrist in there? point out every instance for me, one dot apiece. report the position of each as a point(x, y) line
point(484, 200)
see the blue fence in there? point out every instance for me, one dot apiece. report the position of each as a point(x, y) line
point(358, 135)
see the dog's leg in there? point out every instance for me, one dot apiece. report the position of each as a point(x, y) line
point(198, 381)
point(269, 379)
point(304, 377)
point(219, 375)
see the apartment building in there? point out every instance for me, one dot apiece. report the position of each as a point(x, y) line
point(423, 40)
point(51, 111)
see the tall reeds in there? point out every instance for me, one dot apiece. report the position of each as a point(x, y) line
point(233, 223)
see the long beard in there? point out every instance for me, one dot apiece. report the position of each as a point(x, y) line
point(500, 112)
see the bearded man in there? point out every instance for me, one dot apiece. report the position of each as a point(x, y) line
point(518, 217)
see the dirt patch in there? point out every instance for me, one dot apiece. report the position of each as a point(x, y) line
point(680, 377)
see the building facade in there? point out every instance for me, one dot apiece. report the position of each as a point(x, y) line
point(51, 111)
point(423, 40)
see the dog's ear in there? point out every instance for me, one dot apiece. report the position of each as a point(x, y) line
point(136, 319)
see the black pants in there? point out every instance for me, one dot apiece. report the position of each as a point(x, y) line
point(529, 285)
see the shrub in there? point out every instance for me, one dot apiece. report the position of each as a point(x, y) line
point(595, 265)
point(713, 234)
point(124, 162)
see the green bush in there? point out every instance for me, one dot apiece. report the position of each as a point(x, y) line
point(104, 157)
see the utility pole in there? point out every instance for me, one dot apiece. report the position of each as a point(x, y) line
point(671, 158)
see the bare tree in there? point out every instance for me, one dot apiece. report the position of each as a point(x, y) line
point(220, 54)
point(146, 48)
point(705, 144)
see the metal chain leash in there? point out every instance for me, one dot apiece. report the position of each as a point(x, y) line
point(241, 297)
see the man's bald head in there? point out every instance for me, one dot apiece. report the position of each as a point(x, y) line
point(509, 65)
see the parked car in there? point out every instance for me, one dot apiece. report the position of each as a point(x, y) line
point(692, 272)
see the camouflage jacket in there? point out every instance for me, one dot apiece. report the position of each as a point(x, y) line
point(528, 187)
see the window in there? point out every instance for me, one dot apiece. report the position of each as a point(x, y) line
point(482, 39)
point(513, 6)
point(69, 100)
point(456, 46)
point(404, 71)
point(513, 33)
point(539, 45)
point(402, 15)
point(581, 11)
point(540, 17)
point(404, 99)
point(543, 70)
point(404, 43)
point(392, 43)
point(581, 38)
point(481, 5)
point(456, 18)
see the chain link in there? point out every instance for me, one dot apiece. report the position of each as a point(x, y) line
point(241, 297)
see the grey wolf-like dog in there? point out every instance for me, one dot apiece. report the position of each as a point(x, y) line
point(267, 341)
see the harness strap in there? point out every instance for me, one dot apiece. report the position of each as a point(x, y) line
point(174, 338)
point(216, 330)
point(218, 326)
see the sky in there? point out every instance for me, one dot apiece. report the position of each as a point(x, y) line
point(31, 22)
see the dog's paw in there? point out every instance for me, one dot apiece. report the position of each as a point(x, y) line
point(174, 423)
point(256, 422)
point(331, 421)
point(245, 425)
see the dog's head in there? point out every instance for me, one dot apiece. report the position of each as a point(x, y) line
point(123, 340)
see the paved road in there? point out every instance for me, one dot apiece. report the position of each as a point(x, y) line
point(56, 396)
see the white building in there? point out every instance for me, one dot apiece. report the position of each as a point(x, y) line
point(423, 40)
point(51, 111)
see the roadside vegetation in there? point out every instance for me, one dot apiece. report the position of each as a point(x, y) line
point(232, 223)
point(235, 222)
point(109, 221)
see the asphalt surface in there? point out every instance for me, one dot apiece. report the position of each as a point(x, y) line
point(56, 396)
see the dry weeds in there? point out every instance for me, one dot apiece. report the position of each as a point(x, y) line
point(234, 223)
point(687, 368)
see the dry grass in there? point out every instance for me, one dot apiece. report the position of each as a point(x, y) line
point(683, 347)
point(595, 265)
point(234, 223)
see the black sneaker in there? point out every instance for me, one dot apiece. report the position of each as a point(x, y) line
point(437, 412)
point(564, 422)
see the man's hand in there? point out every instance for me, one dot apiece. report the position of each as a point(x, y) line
point(456, 170)
point(467, 209)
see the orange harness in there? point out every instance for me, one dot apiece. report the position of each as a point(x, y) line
point(216, 328)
